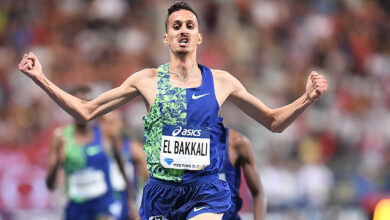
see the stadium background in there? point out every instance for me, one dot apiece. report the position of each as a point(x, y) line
point(332, 163)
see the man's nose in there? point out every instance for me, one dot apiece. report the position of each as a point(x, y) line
point(184, 33)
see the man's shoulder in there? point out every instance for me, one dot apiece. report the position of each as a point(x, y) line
point(220, 74)
point(144, 74)
point(148, 72)
point(218, 71)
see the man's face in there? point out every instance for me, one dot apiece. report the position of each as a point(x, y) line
point(183, 32)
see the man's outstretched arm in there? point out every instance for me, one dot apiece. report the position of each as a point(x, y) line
point(278, 119)
point(81, 110)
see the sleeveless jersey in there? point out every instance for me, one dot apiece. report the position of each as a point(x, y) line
point(86, 167)
point(232, 175)
point(189, 113)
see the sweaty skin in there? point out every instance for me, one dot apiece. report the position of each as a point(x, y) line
point(182, 37)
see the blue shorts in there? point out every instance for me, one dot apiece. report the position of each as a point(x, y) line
point(231, 216)
point(232, 213)
point(102, 206)
point(177, 201)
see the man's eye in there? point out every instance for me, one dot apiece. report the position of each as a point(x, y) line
point(176, 27)
point(190, 26)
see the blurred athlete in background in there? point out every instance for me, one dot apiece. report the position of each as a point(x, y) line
point(133, 157)
point(239, 154)
point(82, 150)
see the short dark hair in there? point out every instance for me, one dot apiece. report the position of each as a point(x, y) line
point(180, 5)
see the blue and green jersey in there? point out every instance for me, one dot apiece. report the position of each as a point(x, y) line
point(186, 114)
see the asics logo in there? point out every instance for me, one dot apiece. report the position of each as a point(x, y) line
point(186, 132)
point(199, 96)
point(176, 131)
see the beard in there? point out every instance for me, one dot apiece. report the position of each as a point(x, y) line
point(182, 51)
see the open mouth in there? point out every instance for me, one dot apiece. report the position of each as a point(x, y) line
point(184, 41)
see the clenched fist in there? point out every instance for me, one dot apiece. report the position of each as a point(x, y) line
point(316, 86)
point(30, 66)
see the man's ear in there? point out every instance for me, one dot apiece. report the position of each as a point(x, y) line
point(200, 39)
point(166, 39)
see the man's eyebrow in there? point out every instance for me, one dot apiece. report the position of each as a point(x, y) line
point(186, 21)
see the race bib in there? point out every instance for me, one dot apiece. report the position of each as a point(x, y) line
point(87, 184)
point(185, 147)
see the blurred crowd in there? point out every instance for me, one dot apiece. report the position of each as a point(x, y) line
point(332, 163)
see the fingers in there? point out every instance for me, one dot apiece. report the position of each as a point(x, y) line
point(319, 91)
point(31, 56)
point(27, 62)
point(24, 64)
point(27, 66)
point(317, 78)
point(313, 73)
point(319, 83)
point(24, 60)
point(320, 88)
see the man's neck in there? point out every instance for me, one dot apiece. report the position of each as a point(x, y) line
point(182, 64)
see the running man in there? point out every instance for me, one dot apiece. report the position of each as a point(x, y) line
point(239, 154)
point(184, 136)
point(133, 158)
point(81, 150)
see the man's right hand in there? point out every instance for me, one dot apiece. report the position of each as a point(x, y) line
point(30, 66)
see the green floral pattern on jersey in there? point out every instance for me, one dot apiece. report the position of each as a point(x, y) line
point(170, 107)
point(75, 158)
